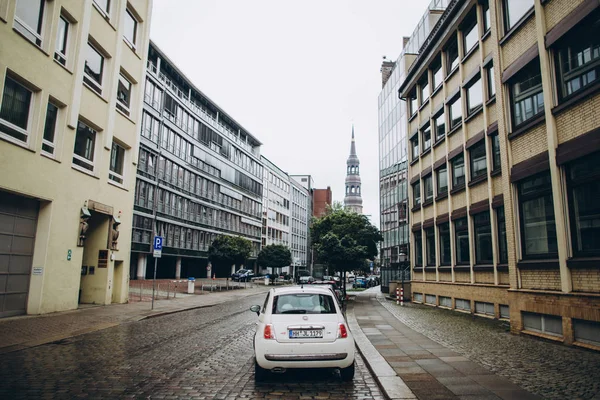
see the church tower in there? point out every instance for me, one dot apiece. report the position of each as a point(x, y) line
point(353, 201)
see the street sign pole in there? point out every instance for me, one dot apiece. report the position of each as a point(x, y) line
point(154, 281)
point(157, 247)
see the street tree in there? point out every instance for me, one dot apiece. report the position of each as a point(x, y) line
point(344, 240)
point(275, 257)
point(226, 251)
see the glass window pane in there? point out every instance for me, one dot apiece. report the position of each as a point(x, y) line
point(478, 160)
point(30, 15)
point(418, 248)
point(491, 85)
point(483, 238)
point(455, 113)
point(502, 244)
point(94, 64)
point(124, 91)
point(470, 35)
point(444, 231)
point(514, 10)
point(85, 139)
point(474, 96)
point(537, 217)
point(462, 241)
point(16, 101)
point(62, 36)
point(103, 4)
point(442, 181)
point(458, 171)
point(430, 238)
point(440, 126)
point(130, 27)
point(50, 125)
point(583, 181)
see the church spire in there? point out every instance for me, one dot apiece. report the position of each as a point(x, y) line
point(353, 199)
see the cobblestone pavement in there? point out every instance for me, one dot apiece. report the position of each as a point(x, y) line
point(199, 354)
point(551, 370)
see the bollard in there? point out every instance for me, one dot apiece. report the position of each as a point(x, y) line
point(402, 297)
point(397, 296)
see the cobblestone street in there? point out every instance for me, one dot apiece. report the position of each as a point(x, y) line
point(551, 370)
point(203, 354)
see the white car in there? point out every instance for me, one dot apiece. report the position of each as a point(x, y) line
point(302, 327)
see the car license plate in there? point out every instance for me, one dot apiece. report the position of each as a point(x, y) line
point(305, 333)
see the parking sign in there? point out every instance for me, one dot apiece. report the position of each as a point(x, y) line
point(157, 246)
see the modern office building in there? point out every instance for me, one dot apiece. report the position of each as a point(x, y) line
point(504, 145)
point(393, 159)
point(71, 86)
point(307, 182)
point(322, 198)
point(300, 222)
point(276, 205)
point(199, 176)
point(353, 199)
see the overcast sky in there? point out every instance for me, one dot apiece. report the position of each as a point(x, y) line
point(295, 74)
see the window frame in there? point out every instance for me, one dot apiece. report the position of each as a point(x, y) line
point(121, 106)
point(506, 15)
point(418, 236)
point(461, 226)
point(26, 132)
point(478, 147)
point(424, 87)
point(490, 84)
point(458, 185)
point(528, 94)
point(496, 156)
point(482, 225)
point(444, 229)
point(114, 176)
point(39, 30)
point(546, 191)
point(456, 122)
point(470, 27)
point(430, 250)
point(417, 200)
point(486, 16)
point(441, 116)
point(105, 12)
point(45, 142)
point(426, 143)
point(60, 56)
point(436, 67)
point(450, 67)
point(438, 172)
point(132, 44)
point(501, 232)
point(89, 80)
point(83, 159)
point(469, 90)
point(415, 149)
point(428, 188)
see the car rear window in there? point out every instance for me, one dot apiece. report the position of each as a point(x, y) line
point(303, 303)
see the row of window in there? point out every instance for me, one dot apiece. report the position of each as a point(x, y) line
point(352, 189)
point(481, 307)
point(478, 169)
point(352, 170)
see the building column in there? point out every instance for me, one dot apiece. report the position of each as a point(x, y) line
point(141, 268)
point(178, 268)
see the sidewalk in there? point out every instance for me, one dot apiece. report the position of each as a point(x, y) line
point(409, 365)
point(17, 333)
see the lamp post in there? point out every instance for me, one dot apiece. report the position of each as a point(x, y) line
point(402, 260)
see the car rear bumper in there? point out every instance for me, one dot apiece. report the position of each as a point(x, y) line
point(339, 354)
point(306, 357)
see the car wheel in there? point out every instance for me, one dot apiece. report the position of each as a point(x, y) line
point(347, 373)
point(260, 374)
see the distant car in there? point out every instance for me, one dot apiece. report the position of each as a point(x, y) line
point(350, 278)
point(242, 275)
point(302, 327)
point(360, 282)
point(306, 279)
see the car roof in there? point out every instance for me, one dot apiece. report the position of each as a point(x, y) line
point(300, 289)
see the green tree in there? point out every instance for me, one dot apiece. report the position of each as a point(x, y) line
point(275, 256)
point(344, 240)
point(226, 251)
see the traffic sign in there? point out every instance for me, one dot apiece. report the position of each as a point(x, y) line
point(157, 246)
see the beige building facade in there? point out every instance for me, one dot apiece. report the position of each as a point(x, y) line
point(71, 87)
point(504, 143)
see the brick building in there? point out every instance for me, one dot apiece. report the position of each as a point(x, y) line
point(321, 199)
point(504, 175)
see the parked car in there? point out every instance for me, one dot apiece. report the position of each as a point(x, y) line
point(242, 275)
point(302, 327)
point(360, 282)
point(306, 279)
point(372, 280)
point(334, 289)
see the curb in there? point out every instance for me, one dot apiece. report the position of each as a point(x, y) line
point(391, 385)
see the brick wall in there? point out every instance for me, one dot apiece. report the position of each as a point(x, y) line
point(428, 211)
point(489, 294)
point(532, 143)
point(557, 10)
point(479, 192)
point(445, 277)
point(519, 42)
point(438, 99)
point(579, 119)
point(484, 277)
point(430, 276)
point(455, 140)
point(442, 207)
point(586, 280)
point(497, 184)
point(475, 125)
point(540, 279)
point(472, 63)
point(492, 113)
point(459, 200)
point(462, 276)
point(503, 278)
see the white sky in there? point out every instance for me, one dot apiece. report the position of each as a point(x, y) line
point(296, 74)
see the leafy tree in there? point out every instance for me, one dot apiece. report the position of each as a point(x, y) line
point(275, 256)
point(226, 251)
point(344, 240)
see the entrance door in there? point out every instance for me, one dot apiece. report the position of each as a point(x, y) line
point(18, 218)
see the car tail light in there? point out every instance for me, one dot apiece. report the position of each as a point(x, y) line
point(342, 332)
point(268, 333)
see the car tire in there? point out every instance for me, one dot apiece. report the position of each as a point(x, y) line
point(260, 374)
point(347, 374)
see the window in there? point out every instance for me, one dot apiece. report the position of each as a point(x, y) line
point(445, 301)
point(578, 57)
point(62, 36)
point(426, 138)
point(130, 28)
point(462, 304)
point(496, 164)
point(29, 18)
point(514, 10)
point(117, 158)
point(491, 86)
point(437, 76)
point(451, 57)
point(477, 158)
point(48, 142)
point(424, 86)
point(586, 331)
point(123, 94)
point(14, 112)
point(418, 248)
point(502, 244)
point(428, 188)
point(430, 243)
point(440, 127)
point(412, 98)
point(538, 231)
point(455, 111)
point(526, 93)
point(470, 33)
point(487, 19)
point(542, 323)
point(414, 142)
point(504, 311)
point(458, 172)
point(484, 308)
point(482, 228)
point(583, 185)
point(417, 194)
point(418, 297)
point(85, 141)
point(444, 232)
point(474, 96)
point(104, 5)
point(442, 181)
point(93, 69)
point(430, 299)
point(461, 237)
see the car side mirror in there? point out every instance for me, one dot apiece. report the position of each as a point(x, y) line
point(255, 308)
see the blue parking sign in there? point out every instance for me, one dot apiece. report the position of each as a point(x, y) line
point(157, 246)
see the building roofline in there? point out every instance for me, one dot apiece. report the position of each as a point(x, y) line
point(183, 75)
point(274, 165)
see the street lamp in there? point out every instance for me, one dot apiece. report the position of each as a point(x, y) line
point(402, 260)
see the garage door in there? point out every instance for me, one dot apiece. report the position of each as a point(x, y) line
point(18, 217)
